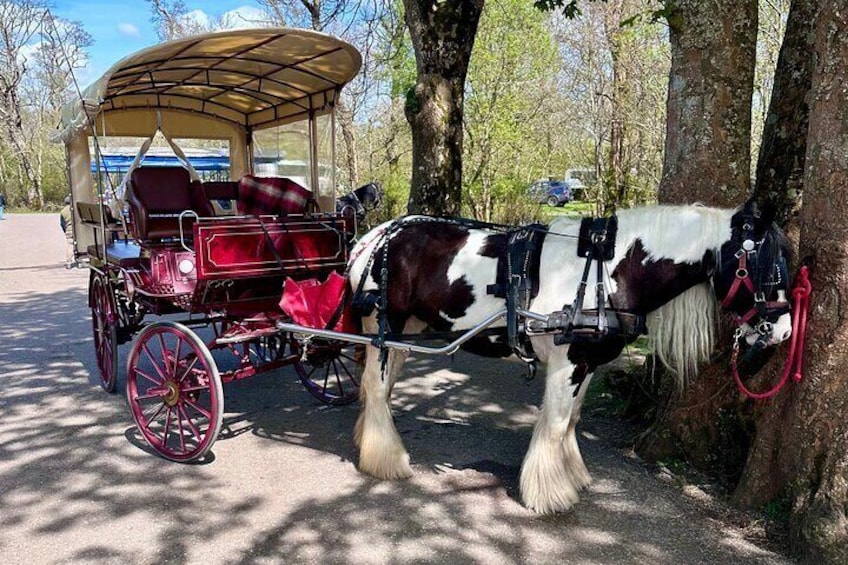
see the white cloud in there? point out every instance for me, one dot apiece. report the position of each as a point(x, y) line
point(244, 17)
point(129, 30)
point(198, 18)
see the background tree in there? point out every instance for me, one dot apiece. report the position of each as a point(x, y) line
point(36, 54)
point(509, 82)
point(708, 127)
point(442, 35)
point(344, 18)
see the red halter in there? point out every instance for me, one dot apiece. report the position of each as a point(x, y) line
point(795, 358)
point(743, 278)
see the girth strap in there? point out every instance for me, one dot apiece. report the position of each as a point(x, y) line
point(518, 279)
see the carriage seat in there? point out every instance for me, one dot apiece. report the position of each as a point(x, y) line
point(222, 194)
point(157, 195)
point(278, 196)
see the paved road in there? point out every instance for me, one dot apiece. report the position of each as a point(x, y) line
point(77, 485)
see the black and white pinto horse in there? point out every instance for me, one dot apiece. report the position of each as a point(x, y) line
point(361, 201)
point(674, 264)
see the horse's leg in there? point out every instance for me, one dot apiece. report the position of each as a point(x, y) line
point(553, 471)
point(573, 458)
point(381, 451)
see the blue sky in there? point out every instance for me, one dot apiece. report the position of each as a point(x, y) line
point(119, 28)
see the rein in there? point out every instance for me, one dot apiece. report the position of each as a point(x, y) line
point(795, 358)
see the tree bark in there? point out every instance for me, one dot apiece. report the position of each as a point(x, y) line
point(345, 116)
point(801, 449)
point(780, 176)
point(780, 167)
point(442, 35)
point(707, 156)
point(708, 132)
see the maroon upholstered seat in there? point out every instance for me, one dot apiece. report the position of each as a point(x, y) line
point(157, 195)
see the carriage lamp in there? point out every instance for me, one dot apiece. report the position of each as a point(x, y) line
point(186, 266)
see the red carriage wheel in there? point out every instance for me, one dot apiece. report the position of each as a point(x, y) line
point(330, 372)
point(104, 322)
point(174, 391)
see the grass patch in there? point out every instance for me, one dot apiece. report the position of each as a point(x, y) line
point(573, 209)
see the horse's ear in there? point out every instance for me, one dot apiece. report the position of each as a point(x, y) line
point(768, 214)
point(750, 207)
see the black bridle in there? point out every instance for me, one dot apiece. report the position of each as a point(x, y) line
point(761, 285)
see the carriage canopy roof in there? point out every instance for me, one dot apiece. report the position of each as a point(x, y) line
point(250, 77)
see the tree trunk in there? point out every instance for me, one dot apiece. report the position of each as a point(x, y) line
point(780, 167)
point(442, 35)
point(708, 131)
point(780, 175)
point(345, 116)
point(707, 155)
point(804, 454)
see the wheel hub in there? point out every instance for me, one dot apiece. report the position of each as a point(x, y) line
point(172, 393)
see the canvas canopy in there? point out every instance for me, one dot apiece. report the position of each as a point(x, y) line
point(247, 78)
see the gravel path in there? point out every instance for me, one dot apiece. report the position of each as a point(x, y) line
point(78, 486)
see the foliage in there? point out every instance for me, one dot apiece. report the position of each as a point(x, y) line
point(570, 8)
point(37, 53)
point(508, 84)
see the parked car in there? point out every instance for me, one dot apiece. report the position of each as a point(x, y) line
point(551, 192)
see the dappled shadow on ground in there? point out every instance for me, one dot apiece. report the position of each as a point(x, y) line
point(280, 485)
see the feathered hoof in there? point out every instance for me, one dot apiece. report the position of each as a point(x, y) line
point(552, 487)
point(386, 465)
point(547, 498)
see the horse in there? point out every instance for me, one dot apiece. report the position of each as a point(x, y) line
point(361, 201)
point(674, 265)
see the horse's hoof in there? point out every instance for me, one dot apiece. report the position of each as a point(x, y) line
point(387, 470)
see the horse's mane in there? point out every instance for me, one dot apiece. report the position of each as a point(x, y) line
point(681, 332)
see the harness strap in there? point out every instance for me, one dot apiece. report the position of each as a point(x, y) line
point(743, 277)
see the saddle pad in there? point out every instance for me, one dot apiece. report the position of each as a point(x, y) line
point(590, 228)
point(276, 196)
point(525, 249)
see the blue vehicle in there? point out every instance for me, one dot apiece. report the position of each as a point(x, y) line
point(551, 192)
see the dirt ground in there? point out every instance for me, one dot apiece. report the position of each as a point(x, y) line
point(77, 484)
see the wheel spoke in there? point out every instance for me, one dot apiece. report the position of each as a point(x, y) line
point(155, 414)
point(195, 432)
point(182, 431)
point(198, 408)
point(167, 367)
point(148, 377)
point(349, 374)
point(167, 426)
point(338, 378)
point(188, 370)
point(177, 355)
point(154, 362)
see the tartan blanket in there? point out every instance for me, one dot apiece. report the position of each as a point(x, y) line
point(278, 196)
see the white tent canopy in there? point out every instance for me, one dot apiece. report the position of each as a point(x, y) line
point(249, 78)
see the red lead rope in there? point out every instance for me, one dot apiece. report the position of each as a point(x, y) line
point(795, 359)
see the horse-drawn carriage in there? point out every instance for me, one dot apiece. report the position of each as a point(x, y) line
point(496, 289)
point(217, 252)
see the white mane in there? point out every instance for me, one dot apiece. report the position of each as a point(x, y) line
point(681, 332)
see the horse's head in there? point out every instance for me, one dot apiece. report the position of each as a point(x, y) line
point(360, 201)
point(371, 195)
point(752, 277)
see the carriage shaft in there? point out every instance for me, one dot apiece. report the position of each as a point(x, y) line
point(448, 349)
